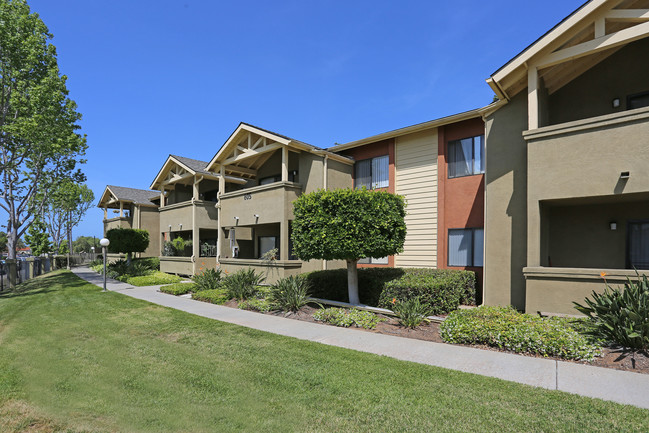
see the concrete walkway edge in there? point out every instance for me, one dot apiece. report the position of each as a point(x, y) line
point(597, 382)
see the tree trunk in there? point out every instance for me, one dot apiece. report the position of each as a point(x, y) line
point(69, 238)
point(352, 282)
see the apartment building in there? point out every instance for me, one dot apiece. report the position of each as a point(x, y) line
point(567, 183)
point(133, 209)
point(438, 166)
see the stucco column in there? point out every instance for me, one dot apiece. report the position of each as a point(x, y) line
point(162, 197)
point(284, 164)
point(283, 240)
point(533, 232)
point(105, 213)
point(121, 209)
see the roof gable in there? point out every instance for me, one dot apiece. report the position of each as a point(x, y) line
point(589, 35)
point(112, 195)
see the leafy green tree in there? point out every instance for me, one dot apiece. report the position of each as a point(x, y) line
point(64, 209)
point(37, 238)
point(84, 244)
point(63, 247)
point(3, 241)
point(348, 225)
point(39, 145)
point(127, 241)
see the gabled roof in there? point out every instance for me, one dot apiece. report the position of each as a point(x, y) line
point(589, 35)
point(114, 194)
point(478, 112)
point(179, 169)
point(249, 147)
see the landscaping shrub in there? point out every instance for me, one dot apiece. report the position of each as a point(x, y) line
point(151, 263)
point(209, 279)
point(332, 284)
point(178, 288)
point(505, 328)
point(411, 312)
point(155, 279)
point(620, 316)
point(442, 289)
point(97, 262)
point(254, 304)
point(216, 296)
point(289, 294)
point(348, 317)
point(243, 284)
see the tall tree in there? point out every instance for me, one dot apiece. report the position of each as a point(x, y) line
point(39, 144)
point(37, 238)
point(348, 225)
point(64, 209)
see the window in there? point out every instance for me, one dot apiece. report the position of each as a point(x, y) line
point(638, 101)
point(638, 245)
point(466, 157)
point(372, 173)
point(465, 247)
point(267, 243)
point(373, 261)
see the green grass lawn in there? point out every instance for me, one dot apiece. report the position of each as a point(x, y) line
point(75, 359)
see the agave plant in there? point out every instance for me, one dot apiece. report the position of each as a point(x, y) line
point(620, 316)
point(290, 293)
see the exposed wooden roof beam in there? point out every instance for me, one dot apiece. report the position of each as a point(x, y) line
point(628, 15)
point(596, 45)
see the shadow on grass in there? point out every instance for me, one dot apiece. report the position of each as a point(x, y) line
point(44, 284)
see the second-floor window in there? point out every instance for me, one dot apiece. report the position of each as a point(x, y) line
point(466, 157)
point(372, 173)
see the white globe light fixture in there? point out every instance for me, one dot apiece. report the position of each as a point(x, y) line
point(104, 243)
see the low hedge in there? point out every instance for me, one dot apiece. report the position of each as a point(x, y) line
point(332, 284)
point(506, 328)
point(214, 296)
point(443, 290)
point(155, 279)
point(178, 288)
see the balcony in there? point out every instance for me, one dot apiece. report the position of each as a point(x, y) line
point(271, 203)
point(586, 158)
point(554, 289)
point(118, 222)
point(181, 216)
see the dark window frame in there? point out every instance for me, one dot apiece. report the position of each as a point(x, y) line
point(370, 160)
point(458, 142)
point(629, 98)
point(628, 241)
point(472, 253)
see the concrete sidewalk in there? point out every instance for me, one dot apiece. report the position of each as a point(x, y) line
point(607, 384)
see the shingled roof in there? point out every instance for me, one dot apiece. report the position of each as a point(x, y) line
point(137, 196)
point(194, 164)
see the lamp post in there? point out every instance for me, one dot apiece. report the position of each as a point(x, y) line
point(104, 243)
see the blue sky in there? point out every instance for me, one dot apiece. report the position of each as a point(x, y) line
point(154, 77)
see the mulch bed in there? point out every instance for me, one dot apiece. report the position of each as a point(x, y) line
point(612, 358)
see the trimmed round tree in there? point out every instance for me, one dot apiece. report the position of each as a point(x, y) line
point(348, 224)
point(127, 241)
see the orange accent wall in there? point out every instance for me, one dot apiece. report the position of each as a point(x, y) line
point(372, 150)
point(460, 200)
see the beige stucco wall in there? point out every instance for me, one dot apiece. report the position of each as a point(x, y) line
point(310, 174)
point(149, 220)
point(584, 159)
point(177, 265)
point(506, 205)
point(416, 180)
point(339, 175)
point(174, 215)
point(555, 289)
point(273, 203)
